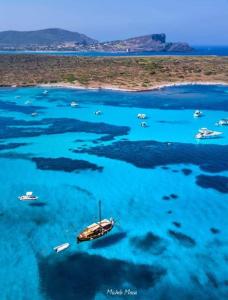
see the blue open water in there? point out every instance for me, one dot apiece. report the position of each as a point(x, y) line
point(166, 191)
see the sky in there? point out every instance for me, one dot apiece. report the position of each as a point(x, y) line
point(198, 22)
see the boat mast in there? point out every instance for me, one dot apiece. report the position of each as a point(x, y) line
point(99, 203)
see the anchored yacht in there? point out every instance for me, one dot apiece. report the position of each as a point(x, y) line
point(197, 114)
point(97, 229)
point(98, 113)
point(74, 104)
point(205, 133)
point(141, 116)
point(28, 196)
point(222, 122)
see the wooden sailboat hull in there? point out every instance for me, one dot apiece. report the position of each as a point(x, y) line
point(99, 232)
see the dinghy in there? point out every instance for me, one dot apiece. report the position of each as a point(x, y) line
point(61, 247)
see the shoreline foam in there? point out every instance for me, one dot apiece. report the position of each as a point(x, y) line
point(114, 88)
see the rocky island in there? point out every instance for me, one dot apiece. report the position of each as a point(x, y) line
point(152, 42)
point(55, 39)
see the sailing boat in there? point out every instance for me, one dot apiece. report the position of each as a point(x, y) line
point(96, 230)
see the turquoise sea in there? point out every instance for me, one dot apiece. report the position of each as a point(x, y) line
point(197, 51)
point(166, 191)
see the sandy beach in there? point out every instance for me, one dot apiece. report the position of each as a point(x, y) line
point(115, 88)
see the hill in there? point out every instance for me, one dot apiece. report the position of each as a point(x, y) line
point(152, 42)
point(45, 37)
point(59, 39)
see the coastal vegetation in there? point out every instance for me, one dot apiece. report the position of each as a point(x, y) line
point(134, 73)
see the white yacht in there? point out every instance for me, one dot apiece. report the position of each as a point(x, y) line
point(61, 247)
point(28, 196)
point(141, 116)
point(205, 133)
point(45, 92)
point(222, 122)
point(197, 114)
point(98, 113)
point(74, 104)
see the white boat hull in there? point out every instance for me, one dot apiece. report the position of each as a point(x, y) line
point(212, 136)
point(222, 123)
point(61, 247)
point(25, 198)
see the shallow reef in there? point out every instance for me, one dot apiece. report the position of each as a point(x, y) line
point(11, 146)
point(14, 107)
point(186, 172)
point(21, 128)
point(64, 164)
point(182, 238)
point(68, 277)
point(150, 242)
point(218, 183)
point(150, 154)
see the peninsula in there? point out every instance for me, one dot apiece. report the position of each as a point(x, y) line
point(56, 39)
point(126, 73)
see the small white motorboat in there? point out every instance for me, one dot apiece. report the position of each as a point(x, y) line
point(222, 122)
point(141, 116)
point(205, 133)
point(197, 114)
point(34, 114)
point(74, 104)
point(61, 247)
point(28, 196)
point(98, 112)
point(45, 92)
point(144, 124)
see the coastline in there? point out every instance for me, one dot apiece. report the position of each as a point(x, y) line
point(135, 74)
point(115, 88)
